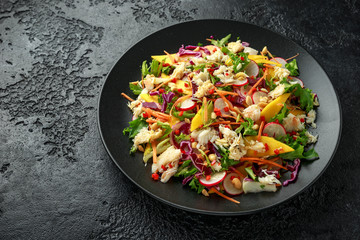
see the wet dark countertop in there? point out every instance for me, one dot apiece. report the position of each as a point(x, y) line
point(57, 181)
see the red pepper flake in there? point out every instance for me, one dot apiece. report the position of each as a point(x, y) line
point(186, 85)
point(211, 91)
point(161, 90)
point(155, 176)
point(218, 113)
point(265, 134)
point(226, 109)
point(214, 50)
point(201, 125)
point(208, 177)
point(252, 77)
point(293, 133)
point(170, 166)
point(276, 151)
point(294, 137)
point(277, 120)
point(173, 80)
point(225, 53)
point(266, 147)
point(277, 175)
point(177, 132)
point(165, 65)
point(145, 115)
point(180, 90)
point(262, 118)
point(182, 151)
point(302, 120)
point(163, 167)
point(181, 113)
point(192, 140)
point(226, 74)
point(245, 93)
point(227, 126)
point(242, 58)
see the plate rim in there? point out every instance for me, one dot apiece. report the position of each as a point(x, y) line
point(207, 212)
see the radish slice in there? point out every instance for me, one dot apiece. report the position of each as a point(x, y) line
point(239, 83)
point(295, 80)
point(274, 130)
point(252, 69)
point(215, 179)
point(186, 105)
point(220, 104)
point(245, 90)
point(257, 95)
point(279, 60)
point(229, 187)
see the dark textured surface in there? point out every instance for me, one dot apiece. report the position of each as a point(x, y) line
point(56, 180)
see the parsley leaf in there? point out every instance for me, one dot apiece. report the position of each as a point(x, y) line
point(293, 68)
point(240, 61)
point(299, 153)
point(270, 83)
point(281, 115)
point(135, 88)
point(196, 185)
point(304, 95)
point(185, 169)
point(221, 42)
point(226, 162)
point(144, 69)
point(167, 70)
point(135, 127)
point(167, 129)
point(185, 114)
point(248, 127)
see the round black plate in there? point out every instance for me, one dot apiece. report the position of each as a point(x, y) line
point(114, 114)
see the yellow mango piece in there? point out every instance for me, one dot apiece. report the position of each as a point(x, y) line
point(297, 112)
point(181, 84)
point(173, 120)
point(148, 98)
point(164, 58)
point(163, 75)
point(196, 121)
point(267, 62)
point(272, 144)
point(274, 107)
point(257, 57)
point(228, 62)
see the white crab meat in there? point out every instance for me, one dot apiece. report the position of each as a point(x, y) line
point(178, 71)
point(281, 73)
point(235, 46)
point(278, 91)
point(268, 179)
point(250, 51)
point(204, 136)
point(170, 156)
point(203, 90)
point(293, 123)
point(252, 112)
point(311, 138)
point(146, 135)
point(310, 118)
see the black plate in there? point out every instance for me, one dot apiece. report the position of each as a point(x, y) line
point(114, 114)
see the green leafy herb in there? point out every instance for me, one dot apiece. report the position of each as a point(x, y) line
point(135, 88)
point(214, 79)
point(226, 162)
point(200, 44)
point(135, 127)
point(281, 115)
point(248, 127)
point(166, 127)
point(195, 185)
point(299, 153)
point(185, 114)
point(240, 60)
point(155, 68)
point(185, 169)
point(133, 150)
point(262, 186)
point(167, 70)
point(222, 42)
point(293, 140)
point(226, 88)
point(251, 173)
point(304, 95)
point(144, 69)
point(182, 137)
point(293, 68)
point(270, 83)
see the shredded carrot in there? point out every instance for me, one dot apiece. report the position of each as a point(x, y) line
point(225, 92)
point(134, 83)
point(178, 101)
point(237, 172)
point(153, 145)
point(208, 39)
point(223, 122)
point(205, 110)
point(127, 97)
point(227, 101)
point(207, 151)
point(170, 57)
point(260, 130)
point(268, 66)
point(142, 82)
point(272, 56)
point(156, 114)
point(292, 57)
point(224, 196)
point(197, 108)
point(257, 83)
point(151, 120)
point(229, 116)
point(161, 84)
point(261, 160)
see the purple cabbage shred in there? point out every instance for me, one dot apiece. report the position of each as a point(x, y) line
point(191, 47)
point(167, 99)
point(183, 51)
point(152, 105)
point(294, 172)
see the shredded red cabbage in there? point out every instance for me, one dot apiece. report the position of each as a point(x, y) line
point(167, 99)
point(294, 172)
point(183, 127)
point(154, 93)
point(152, 105)
point(213, 149)
point(183, 52)
point(191, 47)
point(245, 44)
point(186, 148)
point(187, 179)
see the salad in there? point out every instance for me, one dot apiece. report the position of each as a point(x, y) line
point(223, 118)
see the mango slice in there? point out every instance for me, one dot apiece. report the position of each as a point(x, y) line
point(274, 107)
point(181, 84)
point(173, 120)
point(197, 121)
point(148, 98)
point(164, 58)
point(272, 144)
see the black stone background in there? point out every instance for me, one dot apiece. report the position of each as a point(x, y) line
point(56, 180)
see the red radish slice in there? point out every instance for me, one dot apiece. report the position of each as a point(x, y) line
point(244, 90)
point(186, 105)
point(252, 69)
point(239, 83)
point(221, 105)
point(229, 187)
point(257, 95)
point(279, 60)
point(215, 179)
point(274, 130)
point(294, 80)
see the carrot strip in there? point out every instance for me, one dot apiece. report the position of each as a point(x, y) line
point(261, 160)
point(292, 57)
point(257, 83)
point(156, 114)
point(127, 97)
point(151, 120)
point(161, 84)
point(229, 116)
point(272, 56)
point(269, 66)
point(153, 145)
point(225, 92)
point(237, 172)
point(170, 57)
point(224, 196)
point(225, 100)
point(260, 130)
point(205, 109)
point(216, 123)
